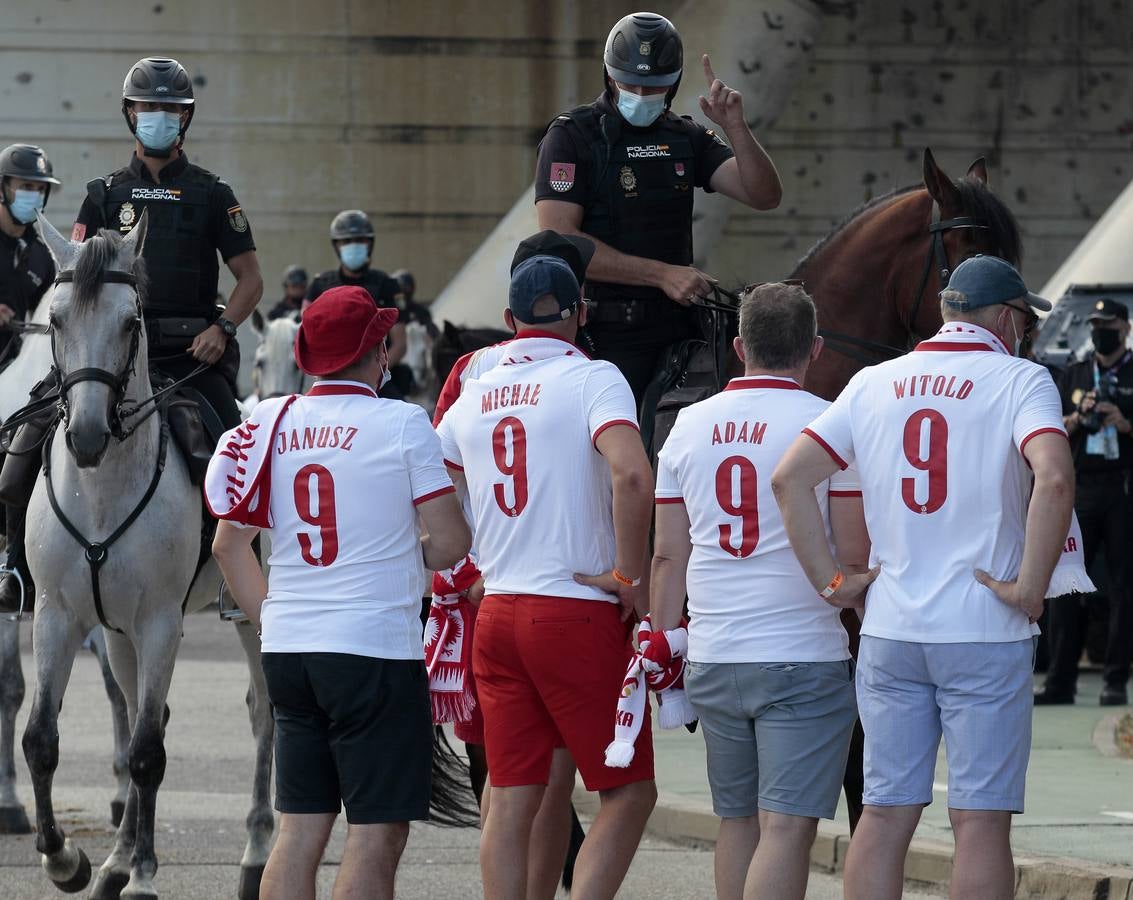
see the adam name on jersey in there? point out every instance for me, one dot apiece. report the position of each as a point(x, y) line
point(155, 193)
point(744, 433)
point(648, 151)
point(513, 395)
point(334, 436)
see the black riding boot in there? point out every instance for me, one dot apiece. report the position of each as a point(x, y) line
point(10, 593)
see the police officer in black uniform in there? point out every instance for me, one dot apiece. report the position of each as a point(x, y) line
point(622, 170)
point(414, 311)
point(1097, 406)
point(26, 267)
point(352, 237)
point(294, 291)
point(192, 215)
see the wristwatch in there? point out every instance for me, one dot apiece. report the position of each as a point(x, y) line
point(229, 328)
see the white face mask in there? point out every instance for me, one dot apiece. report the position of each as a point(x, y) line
point(386, 378)
point(1017, 344)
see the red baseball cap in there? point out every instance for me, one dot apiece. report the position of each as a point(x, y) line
point(341, 325)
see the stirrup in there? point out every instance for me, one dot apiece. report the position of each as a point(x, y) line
point(228, 613)
point(19, 616)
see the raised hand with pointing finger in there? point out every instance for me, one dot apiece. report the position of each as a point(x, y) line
point(723, 105)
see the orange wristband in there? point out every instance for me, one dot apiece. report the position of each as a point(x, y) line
point(621, 579)
point(836, 582)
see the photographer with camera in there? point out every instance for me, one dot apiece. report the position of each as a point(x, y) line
point(1097, 406)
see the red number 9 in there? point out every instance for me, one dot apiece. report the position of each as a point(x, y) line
point(322, 517)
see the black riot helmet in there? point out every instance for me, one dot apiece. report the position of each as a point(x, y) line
point(349, 224)
point(645, 49)
point(294, 275)
point(26, 162)
point(406, 282)
point(157, 79)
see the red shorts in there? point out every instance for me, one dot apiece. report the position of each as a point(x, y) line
point(472, 731)
point(549, 671)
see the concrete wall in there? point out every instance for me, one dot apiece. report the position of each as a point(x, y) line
point(427, 114)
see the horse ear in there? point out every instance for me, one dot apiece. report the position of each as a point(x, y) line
point(939, 185)
point(63, 251)
point(452, 333)
point(258, 323)
point(133, 241)
point(977, 171)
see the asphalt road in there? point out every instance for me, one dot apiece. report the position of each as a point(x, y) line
point(203, 801)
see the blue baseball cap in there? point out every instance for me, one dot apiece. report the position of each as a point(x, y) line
point(537, 277)
point(988, 280)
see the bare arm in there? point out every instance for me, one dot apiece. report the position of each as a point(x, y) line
point(397, 344)
point(249, 286)
point(671, 551)
point(447, 538)
point(851, 539)
point(803, 466)
point(232, 548)
point(1048, 521)
point(614, 267)
point(633, 503)
point(750, 177)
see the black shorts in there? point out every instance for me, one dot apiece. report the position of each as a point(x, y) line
point(351, 730)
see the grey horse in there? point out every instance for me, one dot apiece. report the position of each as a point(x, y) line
point(106, 472)
point(18, 379)
point(275, 372)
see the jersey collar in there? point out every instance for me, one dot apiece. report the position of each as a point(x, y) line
point(763, 382)
point(340, 388)
point(533, 344)
point(963, 337)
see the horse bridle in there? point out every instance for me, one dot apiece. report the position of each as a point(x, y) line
point(937, 253)
point(116, 382)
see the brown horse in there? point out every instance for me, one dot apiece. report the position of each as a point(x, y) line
point(875, 278)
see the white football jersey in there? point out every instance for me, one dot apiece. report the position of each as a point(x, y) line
point(937, 437)
point(748, 598)
point(523, 433)
point(346, 572)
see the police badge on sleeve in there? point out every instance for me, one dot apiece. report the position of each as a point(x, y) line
point(237, 219)
point(562, 177)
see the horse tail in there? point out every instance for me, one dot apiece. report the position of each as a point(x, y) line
point(451, 802)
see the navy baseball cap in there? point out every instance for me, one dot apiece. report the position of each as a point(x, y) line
point(988, 280)
point(537, 277)
point(1108, 310)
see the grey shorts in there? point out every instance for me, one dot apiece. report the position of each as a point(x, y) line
point(777, 734)
point(978, 696)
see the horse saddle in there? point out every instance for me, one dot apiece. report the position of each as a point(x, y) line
point(687, 374)
point(195, 427)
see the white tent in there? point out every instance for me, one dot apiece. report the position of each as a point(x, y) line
point(1105, 254)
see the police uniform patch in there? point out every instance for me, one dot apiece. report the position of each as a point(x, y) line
point(127, 216)
point(679, 168)
point(236, 219)
point(627, 179)
point(562, 177)
point(78, 232)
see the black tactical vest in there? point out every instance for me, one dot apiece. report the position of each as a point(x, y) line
point(180, 259)
point(642, 195)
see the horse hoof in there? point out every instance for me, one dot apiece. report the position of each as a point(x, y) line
point(109, 887)
point(250, 882)
point(117, 810)
point(14, 820)
point(79, 880)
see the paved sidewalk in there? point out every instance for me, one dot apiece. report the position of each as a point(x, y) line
point(1077, 831)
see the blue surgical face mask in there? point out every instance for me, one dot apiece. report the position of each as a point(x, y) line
point(640, 110)
point(25, 205)
point(157, 130)
point(354, 256)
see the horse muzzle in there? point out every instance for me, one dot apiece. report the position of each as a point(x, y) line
point(87, 446)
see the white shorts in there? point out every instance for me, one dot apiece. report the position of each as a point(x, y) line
point(979, 696)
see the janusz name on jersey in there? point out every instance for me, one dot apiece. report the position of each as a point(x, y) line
point(334, 436)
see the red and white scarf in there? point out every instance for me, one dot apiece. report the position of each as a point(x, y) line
point(448, 643)
point(238, 481)
point(665, 678)
point(1070, 575)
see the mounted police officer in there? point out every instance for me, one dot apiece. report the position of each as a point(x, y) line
point(621, 171)
point(352, 236)
point(192, 215)
point(26, 268)
point(294, 290)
